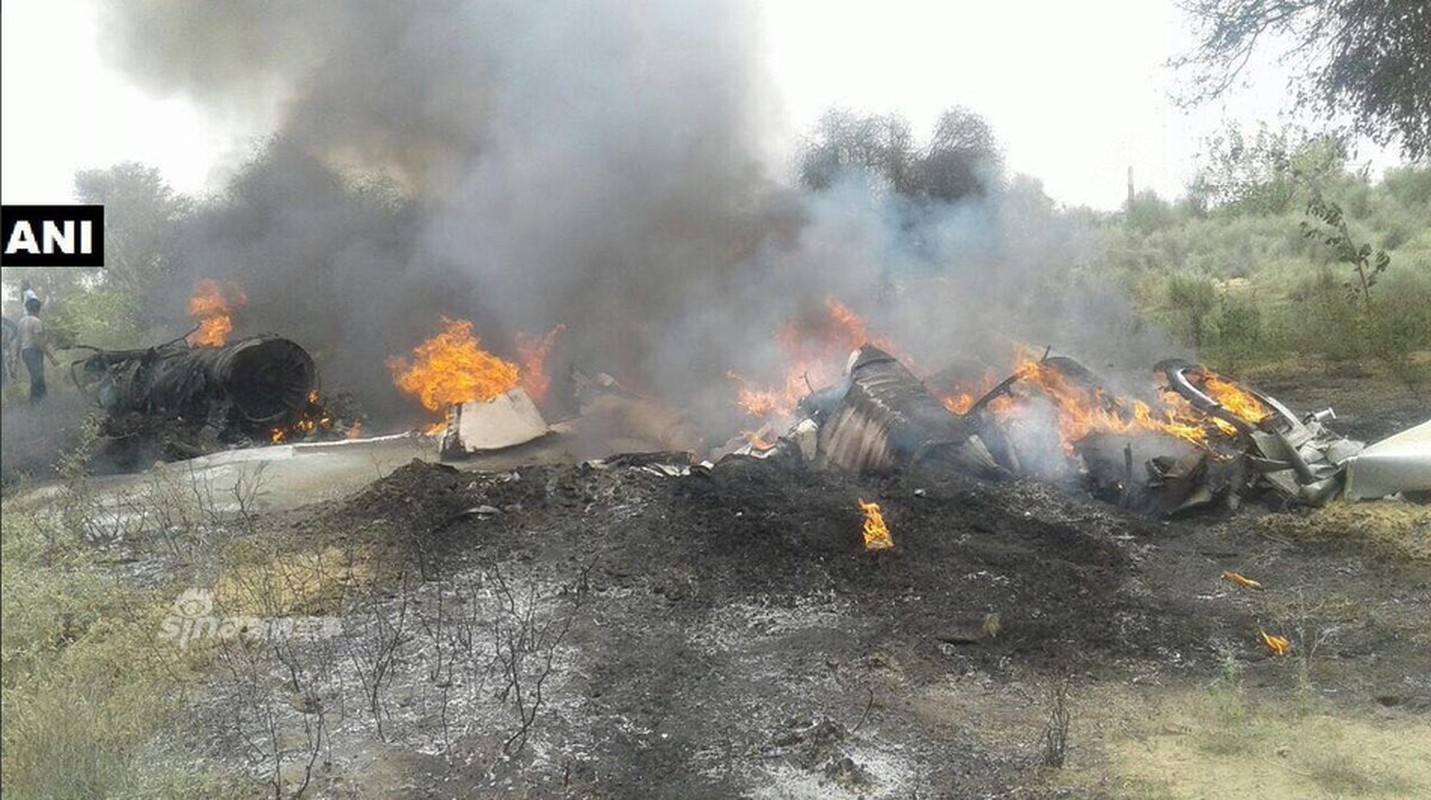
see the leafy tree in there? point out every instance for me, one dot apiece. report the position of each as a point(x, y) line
point(142, 223)
point(1266, 173)
point(1146, 212)
point(843, 140)
point(1367, 264)
point(1369, 59)
point(960, 160)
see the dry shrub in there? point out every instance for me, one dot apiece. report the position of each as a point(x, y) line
point(271, 583)
point(1391, 530)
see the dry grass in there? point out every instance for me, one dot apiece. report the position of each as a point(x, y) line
point(86, 683)
point(1391, 530)
point(1196, 744)
point(269, 581)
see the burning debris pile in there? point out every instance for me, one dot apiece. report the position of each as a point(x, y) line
point(1184, 437)
point(1208, 441)
point(201, 393)
point(1191, 438)
point(488, 402)
point(197, 399)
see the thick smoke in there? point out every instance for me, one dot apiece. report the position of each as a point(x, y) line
point(596, 164)
point(592, 164)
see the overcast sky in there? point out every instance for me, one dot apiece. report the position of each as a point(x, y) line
point(1077, 92)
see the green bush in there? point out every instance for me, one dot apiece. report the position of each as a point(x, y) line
point(103, 316)
point(1190, 301)
point(1234, 275)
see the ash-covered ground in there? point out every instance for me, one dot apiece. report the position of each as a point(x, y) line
point(611, 631)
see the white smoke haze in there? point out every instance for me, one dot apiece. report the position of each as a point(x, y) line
point(606, 166)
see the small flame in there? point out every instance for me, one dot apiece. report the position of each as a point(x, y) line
point(1279, 645)
point(959, 403)
point(452, 368)
point(876, 532)
point(779, 402)
point(962, 399)
point(315, 418)
point(1241, 580)
point(533, 351)
point(212, 304)
point(757, 441)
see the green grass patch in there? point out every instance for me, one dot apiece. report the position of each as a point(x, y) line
point(86, 683)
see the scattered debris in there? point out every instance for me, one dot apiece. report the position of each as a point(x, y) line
point(1210, 442)
point(888, 418)
point(187, 401)
point(507, 420)
point(631, 422)
point(1399, 463)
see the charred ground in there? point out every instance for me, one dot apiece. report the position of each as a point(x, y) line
point(728, 634)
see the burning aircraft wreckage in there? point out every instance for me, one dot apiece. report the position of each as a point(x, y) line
point(202, 393)
point(1196, 439)
point(1203, 441)
point(1213, 442)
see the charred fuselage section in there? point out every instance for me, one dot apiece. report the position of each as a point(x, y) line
point(179, 401)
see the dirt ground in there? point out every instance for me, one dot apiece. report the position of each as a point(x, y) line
point(612, 630)
point(1368, 406)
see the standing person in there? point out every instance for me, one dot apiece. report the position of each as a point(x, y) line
point(34, 349)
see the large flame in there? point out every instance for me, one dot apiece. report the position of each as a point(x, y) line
point(814, 355)
point(212, 304)
point(533, 352)
point(1241, 403)
point(876, 532)
point(1081, 410)
point(451, 368)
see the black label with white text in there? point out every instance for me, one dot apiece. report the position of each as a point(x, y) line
point(52, 236)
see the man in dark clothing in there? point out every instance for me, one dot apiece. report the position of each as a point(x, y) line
point(34, 349)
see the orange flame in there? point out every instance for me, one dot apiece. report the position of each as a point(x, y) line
point(1082, 411)
point(451, 368)
point(1234, 399)
point(814, 356)
point(959, 403)
point(1241, 580)
point(1279, 645)
point(315, 418)
point(962, 399)
point(211, 304)
point(876, 532)
point(533, 351)
point(757, 441)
